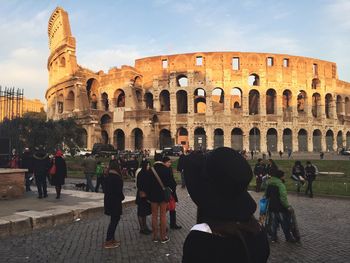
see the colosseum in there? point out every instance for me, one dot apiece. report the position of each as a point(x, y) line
point(251, 101)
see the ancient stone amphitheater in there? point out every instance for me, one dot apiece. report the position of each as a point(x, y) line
point(251, 101)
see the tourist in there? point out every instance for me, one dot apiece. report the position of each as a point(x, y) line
point(156, 196)
point(226, 229)
point(27, 163)
point(278, 209)
point(14, 161)
point(99, 176)
point(173, 200)
point(89, 164)
point(321, 155)
point(269, 153)
point(298, 175)
point(61, 172)
point(310, 173)
point(289, 153)
point(180, 168)
point(280, 153)
point(143, 205)
point(41, 166)
point(113, 197)
point(259, 172)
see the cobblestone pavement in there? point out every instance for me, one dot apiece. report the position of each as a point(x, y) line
point(324, 225)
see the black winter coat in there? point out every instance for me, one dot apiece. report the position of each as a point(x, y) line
point(61, 172)
point(155, 191)
point(41, 164)
point(113, 190)
point(143, 178)
point(27, 161)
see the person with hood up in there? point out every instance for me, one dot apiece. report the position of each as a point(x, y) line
point(41, 166)
point(57, 179)
point(226, 229)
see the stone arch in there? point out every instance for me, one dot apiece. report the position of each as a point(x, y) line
point(60, 101)
point(92, 86)
point(237, 139)
point(105, 101)
point(329, 141)
point(70, 101)
point(218, 99)
point(165, 139)
point(181, 101)
point(236, 98)
point(302, 140)
point(138, 94)
point(339, 106)
point(218, 138)
point(287, 140)
point(83, 138)
point(200, 139)
point(137, 138)
point(104, 137)
point(287, 100)
point(340, 140)
point(271, 140)
point(200, 101)
point(301, 102)
point(328, 105)
point(317, 140)
point(254, 80)
point(119, 139)
point(254, 139)
point(137, 82)
point(254, 102)
point(271, 101)
point(164, 99)
point(62, 62)
point(316, 105)
point(182, 80)
point(348, 140)
point(347, 106)
point(316, 83)
point(105, 119)
point(119, 98)
point(182, 137)
point(149, 100)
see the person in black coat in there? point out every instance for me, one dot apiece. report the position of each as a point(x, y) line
point(113, 197)
point(143, 205)
point(27, 163)
point(259, 172)
point(155, 195)
point(41, 165)
point(180, 168)
point(61, 173)
point(226, 229)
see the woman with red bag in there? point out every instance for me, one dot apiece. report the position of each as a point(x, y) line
point(57, 178)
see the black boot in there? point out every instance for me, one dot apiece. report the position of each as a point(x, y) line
point(58, 192)
point(173, 224)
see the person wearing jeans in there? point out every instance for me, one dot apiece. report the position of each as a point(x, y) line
point(89, 165)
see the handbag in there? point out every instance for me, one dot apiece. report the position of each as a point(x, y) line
point(166, 190)
point(53, 169)
point(172, 204)
point(263, 204)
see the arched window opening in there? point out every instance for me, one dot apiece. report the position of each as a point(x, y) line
point(181, 101)
point(348, 140)
point(60, 104)
point(149, 100)
point(105, 119)
point(138, 94)
point(164, 99)
point(272, 140)
point(236, 98)
point(83, 138)
point(137, 138)
point(63, 62)
point(347, 106)
point(329, 141)
point(328, 106)
point(182, 138)
point(70, 101)
point(316, 83)
point(92, 90)
point(302, 140)
point(104, 136)
point(287, 101)
point(271, 101)
point(287, 140)
point(237, 139)
point(199, 101)
point(182, 81)
point(316, 139)
point(339, 107)
point(138, 82)
point(218, 138)
point(340, 140)
point(301, 102)
point(254, 140)
point(119, 98)
point(316, 104)
point(105, 101)
point(200, 139)
point(94, 102)
point(165, 139)
point(119, 140)
point(254, 80)
point(254, 102)
point(218, 99)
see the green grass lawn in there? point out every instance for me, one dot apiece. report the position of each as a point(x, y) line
point(324, 184)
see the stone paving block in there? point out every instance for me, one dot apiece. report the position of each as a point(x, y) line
point(39, 219)
point(4, 227)
point(19, 224)
point(61, 216)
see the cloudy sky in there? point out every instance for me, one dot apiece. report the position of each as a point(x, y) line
point(113, 33)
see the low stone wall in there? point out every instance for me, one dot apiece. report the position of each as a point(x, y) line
point(11, 183)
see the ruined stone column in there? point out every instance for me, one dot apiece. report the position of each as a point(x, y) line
point(210, 136)
point(246, 140)
point(77, 87)
point(310, 144)
point(263, 140)
point(227, 137)
point(295, 144)
point(262, 104)
point(280, 140)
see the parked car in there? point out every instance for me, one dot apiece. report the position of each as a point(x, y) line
point(173, 151)
point(344, 152)
point(100, 149)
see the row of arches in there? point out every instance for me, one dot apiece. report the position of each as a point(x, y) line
point(254, 139)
